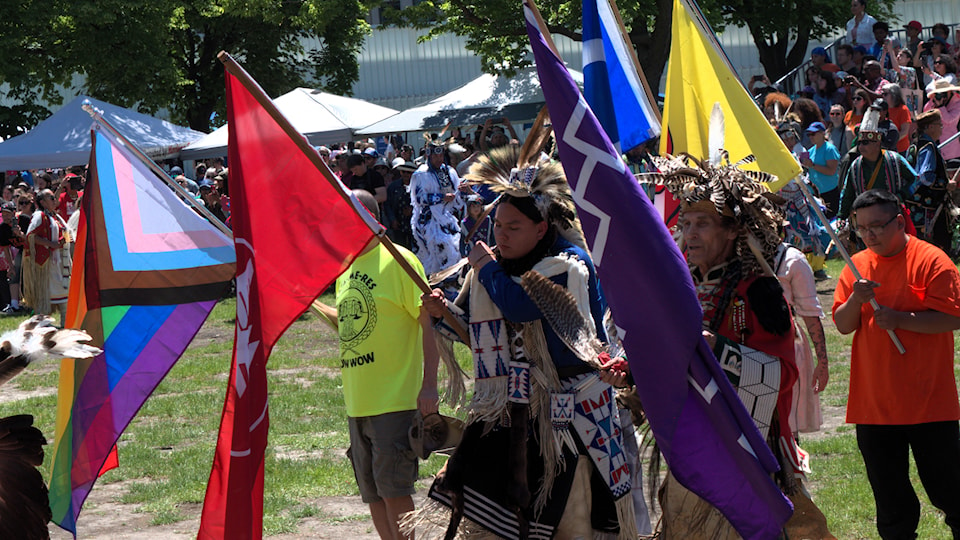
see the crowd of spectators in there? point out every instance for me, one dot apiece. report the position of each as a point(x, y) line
point(35, 240)
point(901, 81)
point(37, 205)
point(448, 213)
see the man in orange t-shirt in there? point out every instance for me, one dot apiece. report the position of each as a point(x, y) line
point(902, 402)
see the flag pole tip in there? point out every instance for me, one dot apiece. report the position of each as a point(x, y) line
point(223, 56)
point(88, 107)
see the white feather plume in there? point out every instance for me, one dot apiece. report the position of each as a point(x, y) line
point(717, 128)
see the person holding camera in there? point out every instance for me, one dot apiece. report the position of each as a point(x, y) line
point(944, 67)
point(494, 129)
point(912, 30)
point(906, 75)
point(873, 81)
point(760, 87)
point(884, 45)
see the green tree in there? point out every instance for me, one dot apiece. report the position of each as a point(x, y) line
point(495, 31)
point(782, 30)
point(162, 54)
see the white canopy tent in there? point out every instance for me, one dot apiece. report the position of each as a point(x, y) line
point(323, 118)
point(518, 98)
point(63, 139)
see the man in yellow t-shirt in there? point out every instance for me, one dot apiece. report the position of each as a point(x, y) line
point(388, 362)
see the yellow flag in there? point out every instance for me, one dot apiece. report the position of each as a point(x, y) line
point(697, 78)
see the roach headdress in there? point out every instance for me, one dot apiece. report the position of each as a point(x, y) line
point(528, 172)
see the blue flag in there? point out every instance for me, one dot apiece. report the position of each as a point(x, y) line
point(611, 82)
point(705, 433)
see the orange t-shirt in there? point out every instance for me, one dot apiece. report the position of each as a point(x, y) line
point(899, 116)
point(919, 386)
point(852, 120)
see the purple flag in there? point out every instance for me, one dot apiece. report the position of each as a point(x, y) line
point(705, 433)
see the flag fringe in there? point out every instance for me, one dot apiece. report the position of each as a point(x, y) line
point(627, 518)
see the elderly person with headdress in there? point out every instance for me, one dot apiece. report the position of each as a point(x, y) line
point(542, 454)
point(875, 167)
point(927, 196)
point(747, 322)
point(437, 210)
point(46, 261)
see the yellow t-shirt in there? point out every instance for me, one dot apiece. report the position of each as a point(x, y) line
point(381, 347)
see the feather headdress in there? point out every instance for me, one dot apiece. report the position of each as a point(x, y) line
point(723, 187)
point(869, 127)
point(528, 172)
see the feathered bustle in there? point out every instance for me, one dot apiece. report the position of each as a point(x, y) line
point(24, 507)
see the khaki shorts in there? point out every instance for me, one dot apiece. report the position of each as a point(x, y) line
point(383, 463)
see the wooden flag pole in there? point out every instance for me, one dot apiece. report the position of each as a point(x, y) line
point(257, 92)
point(177, 188)
point(843, 252)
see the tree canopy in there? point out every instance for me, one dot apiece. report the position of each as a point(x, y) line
point(162, 54)
point(782, 30)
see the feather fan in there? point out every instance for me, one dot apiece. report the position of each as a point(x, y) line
point(559, 308)
point(37, 339)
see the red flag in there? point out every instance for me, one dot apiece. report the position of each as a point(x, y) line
point(295, 230)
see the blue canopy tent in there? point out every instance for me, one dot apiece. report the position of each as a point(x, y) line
point(63, 139)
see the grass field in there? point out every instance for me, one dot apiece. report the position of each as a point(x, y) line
point(167, 451)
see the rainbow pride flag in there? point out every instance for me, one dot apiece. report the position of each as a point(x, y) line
point(147, 271)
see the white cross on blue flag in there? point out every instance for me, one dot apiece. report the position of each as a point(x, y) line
point(611, 83)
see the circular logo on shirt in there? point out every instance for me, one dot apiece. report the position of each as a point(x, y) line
point(356, 314)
